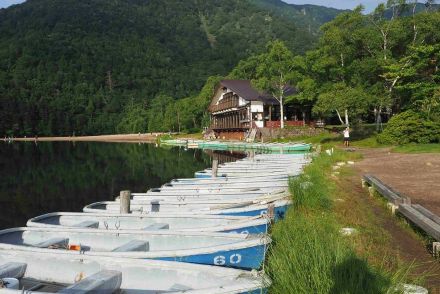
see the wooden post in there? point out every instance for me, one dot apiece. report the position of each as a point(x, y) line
point(124, 200)
point(435, 249)
point(364, 183)
point(214, 168)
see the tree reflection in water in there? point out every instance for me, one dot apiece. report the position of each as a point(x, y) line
point(61, 176)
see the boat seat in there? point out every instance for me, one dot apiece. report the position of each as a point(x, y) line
point(12, 270)
point(179, 288)
point(87, 224)
point(133, 245)
point(105, 281)
point(53, 243)
point(155, 206)
point(157, 226)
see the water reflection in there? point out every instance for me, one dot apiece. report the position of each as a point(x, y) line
point(48, 177)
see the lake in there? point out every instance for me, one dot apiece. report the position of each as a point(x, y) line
point(63, 176)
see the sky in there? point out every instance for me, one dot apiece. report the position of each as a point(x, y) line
point(6, 3)
point(342, 4)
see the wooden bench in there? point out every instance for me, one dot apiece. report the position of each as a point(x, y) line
point(386, 191)
point(417, 214)
point(428, 225)
point(427, 213)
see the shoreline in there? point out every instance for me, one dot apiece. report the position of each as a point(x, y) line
point(149, 137)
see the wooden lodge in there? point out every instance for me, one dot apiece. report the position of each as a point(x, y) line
point(237, 107)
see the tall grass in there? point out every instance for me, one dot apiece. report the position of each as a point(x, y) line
point(309, 254)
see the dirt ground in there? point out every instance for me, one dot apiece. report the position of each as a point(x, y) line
point(414, 175)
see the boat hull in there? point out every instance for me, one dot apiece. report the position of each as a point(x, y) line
point(138, 276)
point(232, 250)
point(248, 258)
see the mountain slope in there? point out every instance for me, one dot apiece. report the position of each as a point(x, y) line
point(74, 66)
point(306, 16)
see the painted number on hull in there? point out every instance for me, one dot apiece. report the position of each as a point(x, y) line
point(233, 259)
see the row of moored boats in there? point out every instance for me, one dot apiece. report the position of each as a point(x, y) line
point(225, 145)
point(194, 235)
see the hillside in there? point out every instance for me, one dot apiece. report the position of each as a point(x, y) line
point(76, 66)
point(307, 16)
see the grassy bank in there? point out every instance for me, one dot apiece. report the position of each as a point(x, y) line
point(310, 255)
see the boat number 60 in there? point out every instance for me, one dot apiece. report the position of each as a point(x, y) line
point(233, 259)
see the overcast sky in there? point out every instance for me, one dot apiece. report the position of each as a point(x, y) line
point(343, 4)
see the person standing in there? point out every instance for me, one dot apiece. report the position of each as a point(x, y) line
point(347, 137)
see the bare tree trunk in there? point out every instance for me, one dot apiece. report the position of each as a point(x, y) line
point(178, 121)
point(339, 116)
point(378, 113)
point(385, 45)
point(346, 118)
point(414, 22)
point(110, 81)
point(282, 111)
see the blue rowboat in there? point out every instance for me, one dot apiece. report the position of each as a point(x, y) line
point(244, 251)
point(277, 208)
point(52, 272)
point(171, 222)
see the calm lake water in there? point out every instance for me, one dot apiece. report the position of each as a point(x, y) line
point(62, 176)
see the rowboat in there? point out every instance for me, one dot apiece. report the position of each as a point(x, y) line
point(271, 167)
point(207, 173)
point(192, 197)
point(160, 205)
point(174, 142)
point(276, 209)
point(68, 272)
point(220, 190)
point(234, 250)
point(218, 187)
point(172, 222)
point(224, 180)
point(250, 192)
point(216, 145)
point(161, 193)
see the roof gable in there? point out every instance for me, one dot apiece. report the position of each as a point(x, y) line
point(245, 90)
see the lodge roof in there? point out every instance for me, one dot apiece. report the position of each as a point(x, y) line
point(245, 90)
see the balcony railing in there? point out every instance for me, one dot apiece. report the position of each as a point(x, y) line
point(233, 103)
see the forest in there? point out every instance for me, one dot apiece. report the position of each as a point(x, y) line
point(96, 67)
point(365, 68)
point(140, 66)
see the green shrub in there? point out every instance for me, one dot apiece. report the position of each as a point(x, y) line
point(410, 127)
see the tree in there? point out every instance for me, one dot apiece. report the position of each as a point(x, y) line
point(340, 98)
point(383, 25)
point(274, 73)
